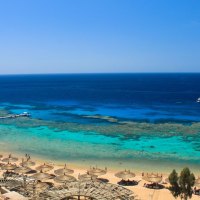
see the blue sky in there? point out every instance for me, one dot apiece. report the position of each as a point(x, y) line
point(75, 36)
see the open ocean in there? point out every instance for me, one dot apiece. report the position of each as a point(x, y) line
point(119, 120)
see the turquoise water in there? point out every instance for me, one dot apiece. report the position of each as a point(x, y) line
point(89, 148)
point(136, 121)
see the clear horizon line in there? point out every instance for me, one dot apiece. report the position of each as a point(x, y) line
point(74, 73)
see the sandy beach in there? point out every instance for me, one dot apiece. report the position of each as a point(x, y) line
point(139, 190)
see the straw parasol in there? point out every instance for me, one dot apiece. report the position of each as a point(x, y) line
point(27, 163)
point(126, 174)
point(10, 158)
point(22, 170)
point(97, 171)
point(64, 178)
point(44, 167)
point(64, 170)
point(38, 186)
point(9, 166)
point(87, 177)
point(41, 176)
point(153, 178)
point(197, 183)
point(167, 180)
point(1, 156)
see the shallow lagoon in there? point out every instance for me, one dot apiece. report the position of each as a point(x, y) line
point(90, 147)
point(122, 121)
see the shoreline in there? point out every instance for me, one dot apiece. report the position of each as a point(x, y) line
point(137, 168)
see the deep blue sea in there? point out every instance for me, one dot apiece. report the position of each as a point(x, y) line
point(115, 118)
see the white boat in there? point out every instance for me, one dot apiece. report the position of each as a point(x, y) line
point(198, 100)
point(25, 114)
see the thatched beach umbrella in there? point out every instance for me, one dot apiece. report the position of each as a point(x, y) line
point(97, 171)
point(126, 174)
point(10, 158)
point(87, 177)
point(64, 178)
point(22, 170)
point(153, 178)
point(45, 167)
point(197, 183)
point(64, 170)
point(27, 163)
point(38, 186)
point(9, 166)
point(41, 176)
point(1, 156)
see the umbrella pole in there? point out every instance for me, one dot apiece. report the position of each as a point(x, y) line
point(24, 180)
point(79, 191)
point(5, 176)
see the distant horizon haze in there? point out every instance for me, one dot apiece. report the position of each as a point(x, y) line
point(99, 73)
